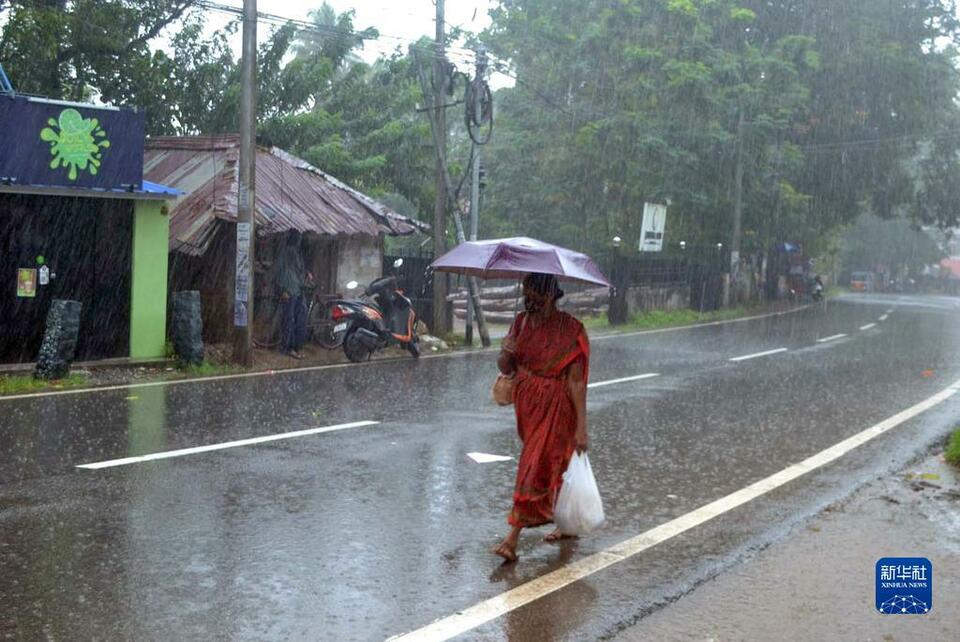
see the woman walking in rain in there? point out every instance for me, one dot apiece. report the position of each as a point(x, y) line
point(548, 353)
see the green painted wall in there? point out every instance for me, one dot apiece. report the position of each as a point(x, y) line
point(148, 301)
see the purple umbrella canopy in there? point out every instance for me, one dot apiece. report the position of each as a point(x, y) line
point(515, 257)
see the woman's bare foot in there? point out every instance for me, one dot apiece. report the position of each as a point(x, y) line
point(508, 548)
point(557, 535)
point(507, 552)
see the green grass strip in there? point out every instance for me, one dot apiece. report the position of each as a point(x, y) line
point(952, 454)
point(20, 384)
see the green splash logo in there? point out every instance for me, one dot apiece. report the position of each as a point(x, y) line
point(75, 142)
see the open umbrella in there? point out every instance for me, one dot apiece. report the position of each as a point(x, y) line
point(515, 257)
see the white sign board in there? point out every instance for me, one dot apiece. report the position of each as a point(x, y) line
point(651, 230)
point(241, 293)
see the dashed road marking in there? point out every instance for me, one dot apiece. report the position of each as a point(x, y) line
point(222, 446)
point(765, 353)
point(832, 338)
point(600, 384)
point(487, 458)
point(868, 326)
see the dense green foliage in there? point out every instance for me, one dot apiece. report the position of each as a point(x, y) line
point(825, 105)
point(829, 109)
point(894, 244)
point(315, 97)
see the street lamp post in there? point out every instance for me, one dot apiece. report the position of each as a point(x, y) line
point(617, 313)
point(686, 262)
point(724, 278)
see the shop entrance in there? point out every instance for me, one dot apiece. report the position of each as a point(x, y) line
point(86, 245)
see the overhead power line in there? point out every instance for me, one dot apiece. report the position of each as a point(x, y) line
point(462, 55)
point(468, 57)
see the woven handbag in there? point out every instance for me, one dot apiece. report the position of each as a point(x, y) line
point(503, 389)
point(503, 385)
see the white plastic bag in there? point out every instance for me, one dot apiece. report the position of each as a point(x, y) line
point(579, 509)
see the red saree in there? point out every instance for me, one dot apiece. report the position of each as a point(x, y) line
point(546, 417)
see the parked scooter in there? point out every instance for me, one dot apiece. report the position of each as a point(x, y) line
point(383, 316)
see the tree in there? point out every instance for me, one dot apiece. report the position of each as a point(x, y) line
point(641, 102)
point(822, 105)
point(895, 244)
point(359, 122)
point(75, 49)
point(315, 97)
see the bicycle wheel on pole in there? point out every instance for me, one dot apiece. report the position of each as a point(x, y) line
point(266, 328)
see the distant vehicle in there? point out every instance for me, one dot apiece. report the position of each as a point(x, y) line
point(816, 291)
point(862, 282)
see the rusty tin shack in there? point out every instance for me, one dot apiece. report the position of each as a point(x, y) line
point(342, 230)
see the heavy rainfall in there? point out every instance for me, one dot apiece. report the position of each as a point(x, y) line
point(521, 320)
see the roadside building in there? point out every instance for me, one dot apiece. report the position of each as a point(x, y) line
point(78, 222)
point(341, 230)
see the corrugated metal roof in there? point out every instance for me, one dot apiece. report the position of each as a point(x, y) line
point(291, 194)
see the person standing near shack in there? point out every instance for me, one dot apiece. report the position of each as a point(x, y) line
point(291, 278)
point(548, 353)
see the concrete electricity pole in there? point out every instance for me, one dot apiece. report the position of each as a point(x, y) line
point(243, 284)
point(441, 324)
point(450, 193)
point(475, 179)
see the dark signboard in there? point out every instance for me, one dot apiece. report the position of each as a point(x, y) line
point(46, 142)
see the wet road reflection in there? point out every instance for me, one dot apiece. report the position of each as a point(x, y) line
point(363, 534)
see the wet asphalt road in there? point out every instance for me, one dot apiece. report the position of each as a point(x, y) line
point(373, 531)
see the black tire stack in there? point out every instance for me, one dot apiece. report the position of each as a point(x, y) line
point(59, 340)
point(186, 328)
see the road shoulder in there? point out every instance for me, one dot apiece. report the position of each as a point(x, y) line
point(818, 582)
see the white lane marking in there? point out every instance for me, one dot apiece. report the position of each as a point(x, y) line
point(868, 326)
point(600, 384)
point(758, 354)
point(617, 335)
point(883, 317)
point(284, 371)
point(227, 444)
point(832, 338)
point(487, 458)
point(478, 614)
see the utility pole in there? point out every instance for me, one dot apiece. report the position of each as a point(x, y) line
point(472, 287)
point(441, 324)
point(246, 200)
point(475, 178)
